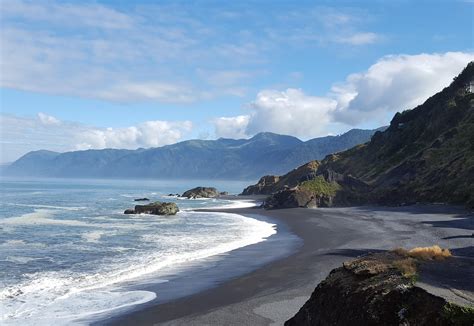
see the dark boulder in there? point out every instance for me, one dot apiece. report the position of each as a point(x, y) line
point(201, 192)
point(141, 199)
point(156, 208)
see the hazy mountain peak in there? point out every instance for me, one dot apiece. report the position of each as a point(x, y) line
point(264, 153)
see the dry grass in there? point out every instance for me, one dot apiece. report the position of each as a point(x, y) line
point(406, 266)
point(425, 253)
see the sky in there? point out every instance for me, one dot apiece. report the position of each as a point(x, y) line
point(78, 75)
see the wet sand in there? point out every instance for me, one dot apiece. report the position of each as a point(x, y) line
point(275, 292)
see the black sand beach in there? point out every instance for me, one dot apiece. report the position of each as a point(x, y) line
point(275, 292)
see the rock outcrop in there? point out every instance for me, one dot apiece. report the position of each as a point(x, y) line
point(156, 208)
point(270, 183)
point(290, 198)
point(265, 186)
point(374, 290)
point(201, 192)
point(141, 199)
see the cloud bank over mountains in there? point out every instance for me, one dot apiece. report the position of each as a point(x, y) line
point(23, 134)
point(257, 63)
point(394, 83)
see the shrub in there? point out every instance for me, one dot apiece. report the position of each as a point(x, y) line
point(430, 253)
point(320, 186)
point(425, 253)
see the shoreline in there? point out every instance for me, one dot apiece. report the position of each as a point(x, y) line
point(275, 291)
point(192, 277)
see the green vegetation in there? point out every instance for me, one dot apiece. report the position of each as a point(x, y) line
point(426, 155)
point(320, 186)
point(458, 315)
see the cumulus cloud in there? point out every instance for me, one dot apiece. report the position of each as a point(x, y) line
point(394, 83)
point(20, 135)
point(290, 112)
point(231, 127)
point(147, 134)
point(48, 119)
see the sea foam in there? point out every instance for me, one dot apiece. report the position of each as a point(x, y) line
point(70, 296)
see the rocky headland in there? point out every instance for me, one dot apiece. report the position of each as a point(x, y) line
point(426, 155)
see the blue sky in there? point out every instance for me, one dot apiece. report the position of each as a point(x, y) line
point(129, 74)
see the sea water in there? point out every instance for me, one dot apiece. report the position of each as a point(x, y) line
point(67, 251)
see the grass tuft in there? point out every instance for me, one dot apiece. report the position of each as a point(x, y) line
point(425, 253)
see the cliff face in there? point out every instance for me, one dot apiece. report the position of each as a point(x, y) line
point(425, 155)
point(374, 291)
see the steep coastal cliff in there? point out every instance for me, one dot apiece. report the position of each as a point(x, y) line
point(425, 155)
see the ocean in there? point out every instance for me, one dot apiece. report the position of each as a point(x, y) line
point(68, 253)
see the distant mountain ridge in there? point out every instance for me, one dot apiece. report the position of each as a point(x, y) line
point(265, 153)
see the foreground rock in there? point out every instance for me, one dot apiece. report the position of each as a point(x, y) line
point(201, 192)
point(378, 289)
point(156, 208)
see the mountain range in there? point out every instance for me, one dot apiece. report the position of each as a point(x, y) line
point(265, 153)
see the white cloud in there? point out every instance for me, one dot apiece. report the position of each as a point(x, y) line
point(231, 127)
point(48, 119)
point(20, 135)
point(147, 134)
point(92, 15)
point(150, 91)
point(224, 77)
point(359, 38)
point(156, 51)
point(290, 112)
point(395, 83)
